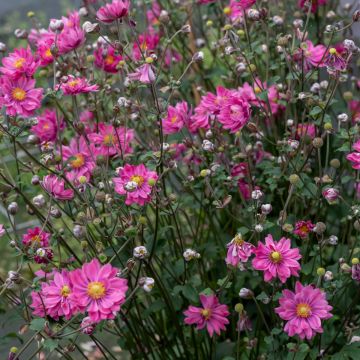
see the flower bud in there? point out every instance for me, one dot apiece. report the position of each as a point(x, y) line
point(246, 293)
point(190, 254)
point(328, 276)
point(318, 142)
point(320, 271)
point(198, 56)
point(13, 208)
point(294, 179)
point(140, 252)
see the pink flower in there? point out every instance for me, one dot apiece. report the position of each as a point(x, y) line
point(177, 117)
point(111, 12)
point(20, 96)
point(276, 259)
point(44, 51)
point(144, 74)
point(153, 14)
point(78, 158)
point(354, 157)
point(107, 59)
point(2, 230)
point(314, 4)
point(238, 251)
point(303, 310)
point(19, 63)
point(36, 238)
point(136, 182)
point(211, 315)
point(72, 36)
point(303, 228)
point(235, 114)
point(234, 11)
point(331, 195)
point(111, 141)
point(354, 107)
point(38, 303)
point(98, 290)
point(305, 130)
point(355, 272)
point(309, 56)
point(334, 60)
point(245, 4)
point(87, 326)
point(43, 255)
point(47, 127)
point(146, 44)
point(58, 296)
point(55, 187)
point(75, 86)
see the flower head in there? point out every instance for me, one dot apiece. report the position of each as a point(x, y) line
point(303, 310)
point(177, 117)
point(276, 259)
point(211, 315)
point(111, 12)
point(98, 290)
point(238, 250)
point(144, 73)
point(303, 228)
point(36, 238)
point(136, 182)
point(107, 59)
point(56, 187)
point(76, 86)
point(48, 125)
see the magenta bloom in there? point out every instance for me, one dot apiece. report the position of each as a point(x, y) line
point(235, 114)
point(111, 12)
point(211, 315)
point(334, 60)
point(354, 157)
point(55, 187)
point(2, 230)
point(47, 127)
point(38, 303)
point(44, 51)
point(303, 228)
point(98, 290)
point(20, 96)
point(107, 59)
point(310, 56)
point(110, 141)
point(331, 195)
point(244, 4)
point(72, 36)
point(144, 74)
point(19, 63)
point(136, 182)
point(146, 44)
point(305, 130)
point(36, 238)
point(314, 4)
point(58, 297)
point(76, 86)
point(276, 259)
point(177, 117)
point(79, 159)
point(303, 310)
point(238, 250)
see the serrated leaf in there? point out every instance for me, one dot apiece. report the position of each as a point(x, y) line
point(37, 324)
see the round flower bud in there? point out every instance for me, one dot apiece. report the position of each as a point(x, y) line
point(335, 163)
point(320, 271)
point(140, 252)
point(151, 182)
point(190, 254)
point(355, 261)
point(348, 95)
point(147, 283)
point(343, 117)
point(246, 293)
point(257, 194)
point(198, 56)
point(35, 180)
point(294, 179)
point(333, 240)
point(319, 228)
point(13, 208)
point(205, 172)
point(239, 308)
point(142, 220)
point(39, 201)
point(328, 126)
point(209, 23)
point(288, 228)
point(318, 142)
point(266, 209)
point(259, 228)
point(328, 276)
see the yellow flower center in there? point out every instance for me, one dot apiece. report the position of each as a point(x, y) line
point(78, 161)
point(275, 257)
point(173, 119)
point(46, 126)
point(96, 290)
point(332, 51)
point(19, 63)
point(65, 291)
point(303, 310)
point(149, 60)
point(144, 46)
point(48, 53)
point(73, 83)
point(227, 10)
point(257, 90)
point(138, 179)
point(36, 239)
point(109, 139)
point(238, 240)
point(206, 313)
point(304, 229)
point(109, 60)
point(18, 94)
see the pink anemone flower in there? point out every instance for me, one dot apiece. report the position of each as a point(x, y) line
point(136, 182)
point(276, 259)
point(19, 63)
point(238, 251)
point(177, 117)
point(211, 315)
point(55, 187)
point(48, 126)
point(111, 12)
point(75, 86)
point(20, 96)
point(98, 290)
point(303, 310)
point(36, 238)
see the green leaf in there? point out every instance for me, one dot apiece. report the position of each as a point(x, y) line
point(37, 324)
point(50, 344)
point(190, 293)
